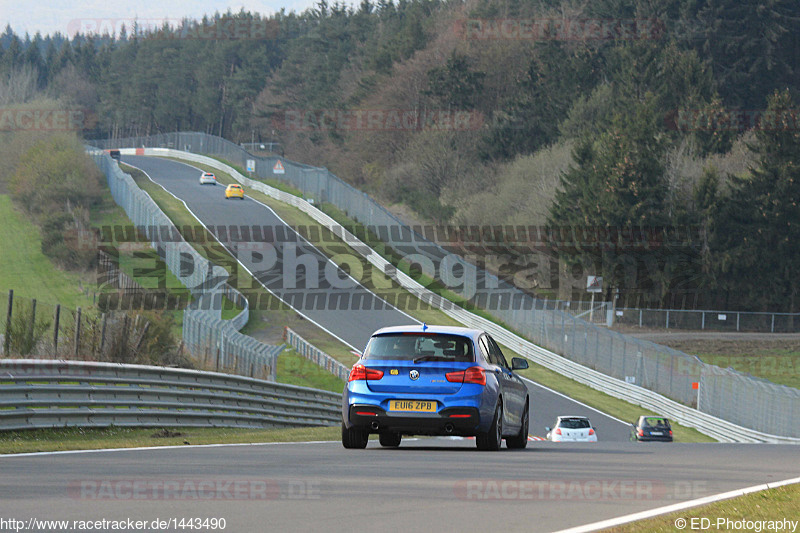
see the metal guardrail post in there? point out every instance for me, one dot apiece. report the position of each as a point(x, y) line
point(7, 339)
point(31, 326)
point(56, 319)
point(78, 331)
point(542, 356)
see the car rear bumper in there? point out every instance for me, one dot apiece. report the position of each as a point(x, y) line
point(656, 438)
point(463, 421)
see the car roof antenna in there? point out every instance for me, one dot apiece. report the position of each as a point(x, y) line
point(424, 326)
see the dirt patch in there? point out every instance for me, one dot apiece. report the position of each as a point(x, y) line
point(732, 347)
point(718, 342)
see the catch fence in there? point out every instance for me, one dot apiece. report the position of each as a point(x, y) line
point(215, 342)
point(661, 369)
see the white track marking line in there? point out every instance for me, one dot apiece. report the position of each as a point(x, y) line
point(166, 447)
point(323, 255)
point(604, 524)
point(323, 328)
point(548, 389)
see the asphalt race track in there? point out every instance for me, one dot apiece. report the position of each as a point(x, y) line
point(354, 326)
point(289, 267)
point(435, 484)
point(427, 484)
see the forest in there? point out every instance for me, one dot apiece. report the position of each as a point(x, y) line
point(594, 118)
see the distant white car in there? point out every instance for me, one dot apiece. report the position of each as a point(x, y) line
point(207, 178)
point(572, 429)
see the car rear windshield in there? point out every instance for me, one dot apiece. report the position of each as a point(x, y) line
point(423, 347)
point(574, 423)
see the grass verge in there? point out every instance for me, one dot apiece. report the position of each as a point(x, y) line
point(344, 256)
point(268, 315)
point(625, 411)
point(30, 273)
point(764, 506)
point(781, 366)
point(294, 369)
point(62, 439)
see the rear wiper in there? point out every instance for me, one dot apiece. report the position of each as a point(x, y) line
point(425, 358)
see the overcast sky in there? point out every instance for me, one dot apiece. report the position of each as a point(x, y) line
point(65, 16)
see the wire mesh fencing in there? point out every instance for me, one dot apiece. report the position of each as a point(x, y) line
point(709, 320)
point(566, 332)
point(210, 339)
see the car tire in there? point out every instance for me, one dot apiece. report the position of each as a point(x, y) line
point(492, 439)
point(354, 437)
point(521, 440)
point(389, 439)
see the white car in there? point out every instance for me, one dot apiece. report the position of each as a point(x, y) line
point(572, 429)
point(208, 178)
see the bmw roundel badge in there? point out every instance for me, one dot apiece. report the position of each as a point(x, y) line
point(414, 375)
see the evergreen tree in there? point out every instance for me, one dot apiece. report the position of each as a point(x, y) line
point(758, 229)
point(617, 183)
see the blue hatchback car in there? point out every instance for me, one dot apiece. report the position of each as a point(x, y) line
point(435, 380)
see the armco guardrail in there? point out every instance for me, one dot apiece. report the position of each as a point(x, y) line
point(564, 333)
point(45, 394)
point(215, 342)
point(312, 353)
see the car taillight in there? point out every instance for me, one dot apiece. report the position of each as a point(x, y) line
point(558, 431)
point(473, 374)
point(670, 432)
point(591, 432)
point(361, 372)
point(641, 433)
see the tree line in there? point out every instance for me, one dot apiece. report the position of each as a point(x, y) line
point(676, 128)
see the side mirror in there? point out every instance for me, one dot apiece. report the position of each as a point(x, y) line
point(518, 363)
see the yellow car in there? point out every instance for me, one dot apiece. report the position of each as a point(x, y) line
point(234, 191)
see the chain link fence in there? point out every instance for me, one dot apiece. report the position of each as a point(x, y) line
point(216, 343)
point(698, 319)
point(314, 354)
point(658, 368)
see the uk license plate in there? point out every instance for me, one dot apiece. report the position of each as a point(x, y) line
point(416, 406)
point(656, 433)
